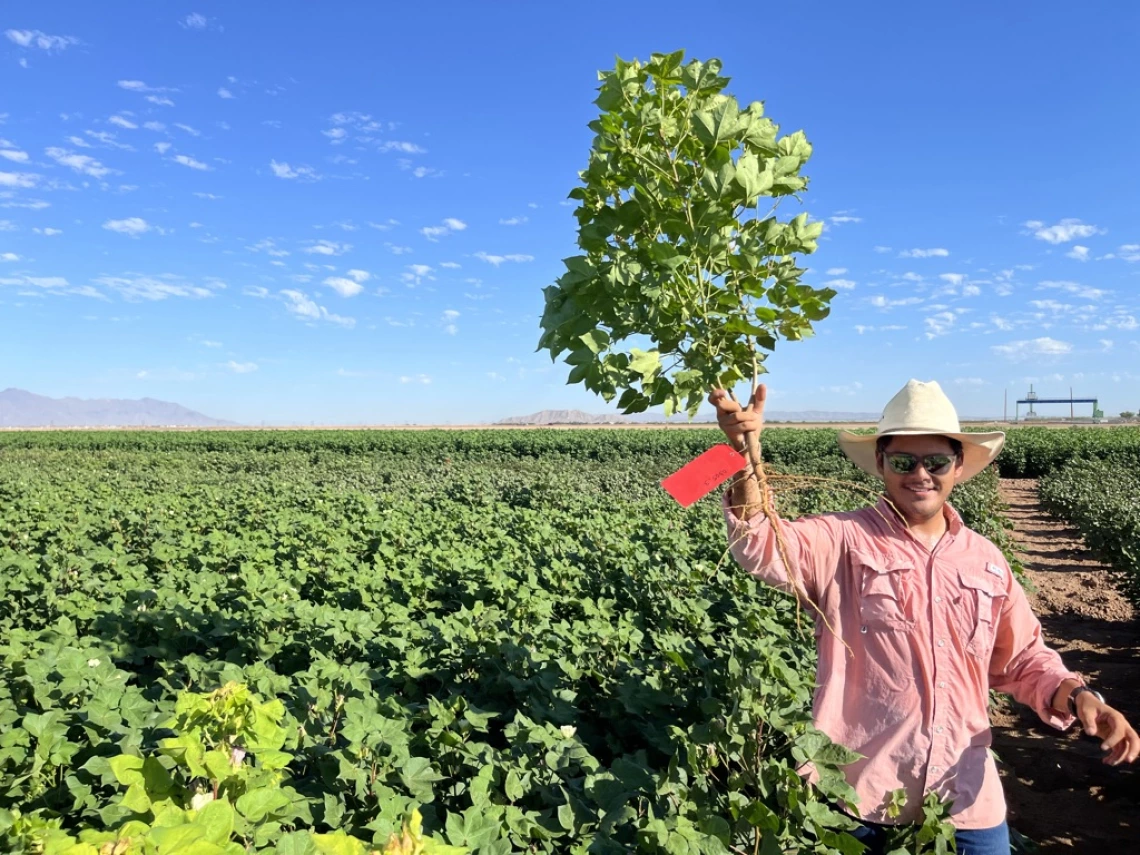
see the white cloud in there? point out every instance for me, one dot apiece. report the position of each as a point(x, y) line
point(241, 367)
point(79, 142)
point(971, 291)
point(1050, 305)
point(40, 40)
point(358, 275)
point(449, 265)
point(255, 291)
point(1130, 252)
point(385, 226)
point(403, 147)
point(21, 180)
point(47, 232)
point(81, 163)
point(969, 381)
point(327, 247)
point(162, 147)
point(9, 256)
point(194, 21)
point(882, 249)
point(223, 92)
point(1080, 253)
point(140, 86)
point(14, 155)
point(419, 378)
point(123, 122)
point(1017, 351)
point(416, 273)
point(108, 139)
point(186, 160)
point(513, 221)
point(398, 249)
point(344, 287)
point(843, 284)
point(1106, 344)
point(937, 252)
point(154, 288)
point(939, 324)
point(337, 135)
point(1083, 291)
point(7, 226)
point(132, 226)
point(284, 170)
point(836, 271)
point(1063, 232)
point(844, 219)
point(194, 132)
point(881, 302)
point(450, 224)
point(207, 196)
point(298, 304)
point(161, 101)
point(953, 278)
point(496, 260)
point(154, 126)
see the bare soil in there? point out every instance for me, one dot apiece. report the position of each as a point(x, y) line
point(1060, 794)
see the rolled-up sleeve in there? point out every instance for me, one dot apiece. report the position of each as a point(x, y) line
point(1022, 665)
point(813, 548)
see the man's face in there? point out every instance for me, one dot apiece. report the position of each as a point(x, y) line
point(919, 495)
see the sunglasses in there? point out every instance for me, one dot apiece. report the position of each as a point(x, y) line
point(902, 463)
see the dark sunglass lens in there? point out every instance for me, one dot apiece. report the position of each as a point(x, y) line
point(937, 464)
point(902, 463)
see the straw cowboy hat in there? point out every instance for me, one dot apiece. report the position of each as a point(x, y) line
point(923, 409)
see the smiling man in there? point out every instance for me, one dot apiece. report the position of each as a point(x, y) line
point(918, 618)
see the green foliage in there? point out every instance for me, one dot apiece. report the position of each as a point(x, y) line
point(677, 252)
point(1102, 498)
point(182, 800)
point(515, 632)
point(1031, 452)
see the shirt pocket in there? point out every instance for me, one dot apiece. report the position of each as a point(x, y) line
point(981, 602)
point(883, 600)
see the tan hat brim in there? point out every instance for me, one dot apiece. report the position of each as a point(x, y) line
point(978, 449)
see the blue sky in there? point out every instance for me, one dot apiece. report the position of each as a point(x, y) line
point(346, 212)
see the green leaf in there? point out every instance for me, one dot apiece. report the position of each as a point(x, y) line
point(135, 799)
point(596, 340)
point(127, 769)
point(418, 776)
point(645, 363)
point(216, 819)
point(718, 124)
point(258, 804)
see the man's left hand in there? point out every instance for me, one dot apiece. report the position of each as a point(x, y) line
point(1117, 736)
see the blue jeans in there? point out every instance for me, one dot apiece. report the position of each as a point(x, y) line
point(972, 841)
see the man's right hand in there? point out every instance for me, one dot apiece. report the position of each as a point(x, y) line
point(736, 421)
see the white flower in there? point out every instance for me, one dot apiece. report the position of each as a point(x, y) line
point(92, 663)
point(201, 800)
point(568, 730)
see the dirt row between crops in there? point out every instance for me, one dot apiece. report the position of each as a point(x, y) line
point(1060, 794)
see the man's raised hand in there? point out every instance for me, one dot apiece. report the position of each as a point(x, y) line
point(736, 421)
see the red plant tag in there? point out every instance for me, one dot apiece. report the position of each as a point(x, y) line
point(702, 475)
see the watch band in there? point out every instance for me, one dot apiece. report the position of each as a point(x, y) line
point(1078, 691)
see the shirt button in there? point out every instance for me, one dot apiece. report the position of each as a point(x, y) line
point(937, 599)
point(863, 630)
point(938, 729)
point(942, 685)
point(935, 769)
point(942, 642)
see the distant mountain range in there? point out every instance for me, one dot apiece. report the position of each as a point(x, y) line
point(25, 409)
point(578, 417)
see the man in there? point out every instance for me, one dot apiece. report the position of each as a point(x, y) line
point(917, 618)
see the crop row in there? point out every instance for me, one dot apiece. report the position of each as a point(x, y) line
point(1102, 498)
point(1029, 451)
point(540, 651)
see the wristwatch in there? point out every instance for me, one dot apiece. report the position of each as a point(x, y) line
point(1077, 691)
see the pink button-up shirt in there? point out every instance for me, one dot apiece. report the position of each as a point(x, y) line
point(929, 633)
